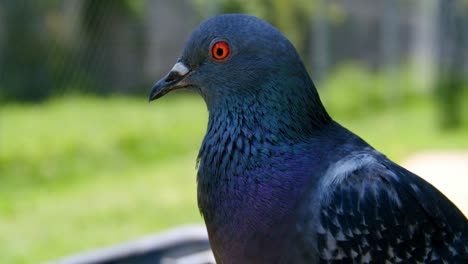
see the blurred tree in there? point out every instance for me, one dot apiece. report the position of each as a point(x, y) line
point(453, 41)
point(320, 35)
point(165, 41)
point(390, 49)
point(112, 44)
point(24, 73)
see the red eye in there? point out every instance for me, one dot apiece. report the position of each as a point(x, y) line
point(220, 50)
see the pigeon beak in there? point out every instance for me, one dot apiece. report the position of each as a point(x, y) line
point(169, 82)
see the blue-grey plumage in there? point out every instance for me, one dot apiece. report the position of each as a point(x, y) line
point(279, 181)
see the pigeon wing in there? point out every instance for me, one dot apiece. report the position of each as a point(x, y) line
point(367, 210)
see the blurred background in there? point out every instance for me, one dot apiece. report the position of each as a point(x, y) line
point(86, 162)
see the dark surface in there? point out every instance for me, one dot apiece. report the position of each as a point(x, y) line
point(181, 245)
point(157, 255)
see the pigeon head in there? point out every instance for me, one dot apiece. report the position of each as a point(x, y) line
point(241, 62)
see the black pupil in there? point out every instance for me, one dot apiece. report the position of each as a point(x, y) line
point(219, 52)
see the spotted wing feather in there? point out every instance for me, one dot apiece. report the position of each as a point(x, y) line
point(381, 213)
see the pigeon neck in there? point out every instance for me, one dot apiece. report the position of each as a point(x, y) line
point(286, 113)
point(280, 114)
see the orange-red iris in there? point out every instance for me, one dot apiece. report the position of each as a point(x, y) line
point(220, 50)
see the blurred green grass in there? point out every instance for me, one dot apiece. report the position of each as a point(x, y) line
point(82, 172)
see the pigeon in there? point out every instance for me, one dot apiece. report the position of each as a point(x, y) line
point(279, 181)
